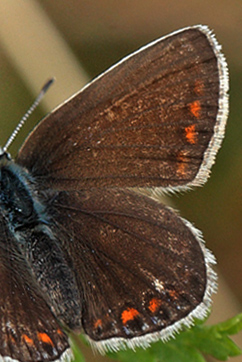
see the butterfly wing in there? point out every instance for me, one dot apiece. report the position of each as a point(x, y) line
point(155, 119)
point(143, 270)
point(29, 331)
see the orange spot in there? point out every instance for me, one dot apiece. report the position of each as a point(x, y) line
point(154, 304)
point(129, 315)
point(98, 323)
point(28, 340)
point(191, 135)
point(195, 108)
point(199, 87)
point(45, 338)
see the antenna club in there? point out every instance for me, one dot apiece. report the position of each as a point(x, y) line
point(47, 85)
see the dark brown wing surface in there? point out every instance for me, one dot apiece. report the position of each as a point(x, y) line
point(140, 267)
point(155, 119)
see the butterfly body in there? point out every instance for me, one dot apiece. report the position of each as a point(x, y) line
point(18, 202)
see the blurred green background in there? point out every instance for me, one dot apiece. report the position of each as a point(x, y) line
point(75, 40)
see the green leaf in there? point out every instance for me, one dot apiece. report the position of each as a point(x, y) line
point(214, 340)
point(232, 326)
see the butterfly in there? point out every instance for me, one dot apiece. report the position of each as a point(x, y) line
point(81, 250)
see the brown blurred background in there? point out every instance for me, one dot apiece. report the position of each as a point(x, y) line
point(76, 40)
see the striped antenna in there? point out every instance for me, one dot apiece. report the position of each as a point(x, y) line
point(28, 113)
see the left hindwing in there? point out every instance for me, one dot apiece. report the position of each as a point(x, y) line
point(29, 331)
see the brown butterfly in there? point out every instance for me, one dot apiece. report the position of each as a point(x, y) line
point(80, 250)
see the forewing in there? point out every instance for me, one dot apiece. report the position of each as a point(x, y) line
point(29, 331)
point(155, 119)
point(143, 271)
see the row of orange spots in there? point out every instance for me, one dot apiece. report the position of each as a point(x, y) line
point(190, 131)
point(43, 337)
point(130, 314)
point(195, 109)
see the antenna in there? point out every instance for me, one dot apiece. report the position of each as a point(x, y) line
point(28, 113)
